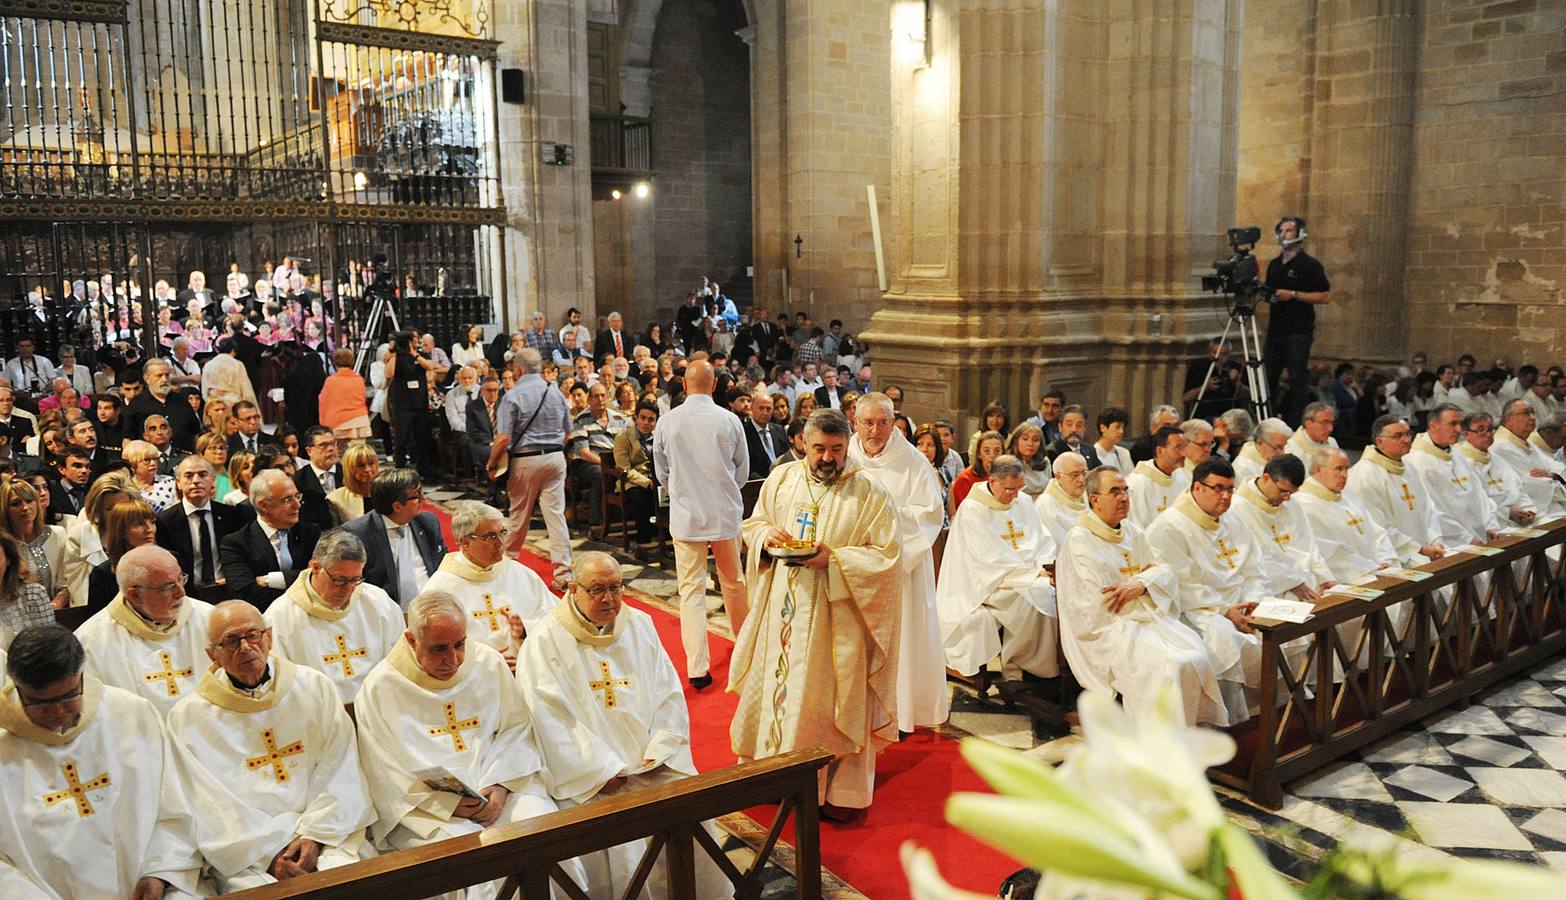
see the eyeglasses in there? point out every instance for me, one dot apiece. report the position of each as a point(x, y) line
point(322, 445)
point(1116, 492)
point(288, 498)
point(345, 580)
point(167, 588)
point(605, 590)
point(1222, 490)
point(416, 495)
point(494, 538)
point(1481, 429)
point(253, 637)
point(50, 701)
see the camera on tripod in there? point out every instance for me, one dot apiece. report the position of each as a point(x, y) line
point(1237, 276)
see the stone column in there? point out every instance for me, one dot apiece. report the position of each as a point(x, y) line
point(548, 247)
point(1063, 174)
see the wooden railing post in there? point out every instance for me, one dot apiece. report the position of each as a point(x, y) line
point(807, 841)
point(680, 853)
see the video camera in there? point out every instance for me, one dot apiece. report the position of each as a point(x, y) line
point(1236, 277)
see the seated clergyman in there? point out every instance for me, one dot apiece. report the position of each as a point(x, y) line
point(272, 762)
point(503, 598)
point(609, 713)
point(94, 806)
point(445, 738)
point(1064, 498)
point(994, 594)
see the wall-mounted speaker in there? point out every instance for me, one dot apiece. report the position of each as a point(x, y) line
point(513, 85)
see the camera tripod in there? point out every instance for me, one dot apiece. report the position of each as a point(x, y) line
point(380, 310)
point(1243, 316)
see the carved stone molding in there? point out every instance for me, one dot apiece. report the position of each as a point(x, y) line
point(111, 11)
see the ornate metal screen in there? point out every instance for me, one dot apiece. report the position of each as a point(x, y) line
point(143, 139)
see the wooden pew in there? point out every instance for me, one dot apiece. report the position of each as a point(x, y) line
point(527, 854)
point(1307, 720)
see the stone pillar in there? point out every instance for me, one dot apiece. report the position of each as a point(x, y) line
point(1063, 174)
point(548, 247)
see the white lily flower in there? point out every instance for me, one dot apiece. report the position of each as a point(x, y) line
point(924, 879)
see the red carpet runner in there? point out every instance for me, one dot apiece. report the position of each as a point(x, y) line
point(913, 780)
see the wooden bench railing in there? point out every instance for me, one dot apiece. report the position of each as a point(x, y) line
point(1484, 634)
point(528, 854)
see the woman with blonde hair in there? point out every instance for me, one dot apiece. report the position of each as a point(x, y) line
point(129, 524)
point(360, 466)
point(212, 446)
point(84, 540)
point(157, 490)
point(241, 468)
point(23, 603)
point(804, 405)
point(41, 544)
point(214, 415)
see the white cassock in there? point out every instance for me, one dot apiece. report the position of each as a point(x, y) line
point(1145, 646)
point(1303, 447)
point(1520, 458)
point(1248, 464)
point(1152, 491)
point(127, 651)
point(1396, 498)
point(1351, 544)
point(342, 644)
point(605, 705)
point(923, 697)
point(92, 810)
point(1554, 456)
point(267, 766)
point(489, 594)
point(1463, 511)
point(1288, 550)
point(1058, 511)
point(475, 726)
point(993, 580)
point(1497, 481)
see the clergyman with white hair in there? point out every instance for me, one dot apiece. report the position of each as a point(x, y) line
point(1270, 439)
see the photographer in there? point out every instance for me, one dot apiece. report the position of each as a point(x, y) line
point(1299, 283)
point(408, 398)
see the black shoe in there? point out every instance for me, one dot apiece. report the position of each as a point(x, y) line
point(701, 681)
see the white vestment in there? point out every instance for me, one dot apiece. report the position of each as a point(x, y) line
point(1248, 464)
point(1288, 551)
point(268, 766)
point(1058, 511)
point(343, 644)
point(1520, 459)
point(1349, 541)
point(489, 594)
point(1497, 481)
point(606, 705)
point(1145, 646)
point(127, 651)
point(1463, 511)
point(1152, 491)
point(92, 810)
point(1398, 499)
point(923, 697)
point(1303, 447)
point(993, 580)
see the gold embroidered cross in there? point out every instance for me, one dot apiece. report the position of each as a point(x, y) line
point(345, 656)
point(1280, 539)
point(75, 790)
point(1407, 497)
point(1354, 523)
point(491, 613)
point(1494, 482)
point(169, 674)
point(1130, 568)
point(454, 728)
point(1461, 481)
point(1226, 553)
point(1012, 535)
point(274, 757)
point(608, 684)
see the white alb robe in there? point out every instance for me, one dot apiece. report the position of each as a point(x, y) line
point(1398, 499)
point(993, 580)
point(342, 644)
point(1288, 551)
point(1145, 646)
point(1152, 491)
point(1350, 542)
point(1497, 482)
point(125, 650)
point(606, 705)
point(1248, 464)
point(489, 594)
point(130, 819)
point(923, 697)
point(1303, 447)
point(1521, 458)
point(265, 768)
point(1058, 511)
point(1463, 511)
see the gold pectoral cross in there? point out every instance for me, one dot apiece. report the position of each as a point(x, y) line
point(1461, 482)
point(607, 684)
point(1407, 496)
point(1012, 535)
point(1279, 539)
point(75, 790)
point(1226, 553)
point(169, 674)
point(274, 757)
point(491, 613)
point(345, 656)
point(1354, 523)
point(455, 728)
point(1130, 568)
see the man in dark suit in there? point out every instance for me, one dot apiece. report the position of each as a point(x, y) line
point(403, 544)
point(614, 340)
point(248, 437)
point(302, 389)
point(84, 434)
point(766, 441)
point(264, 557)
point(194, 528)
point(829, 395)
point(1162, 417)
point(482, 413)
point(319, 477)
point(1073, 427)
point(68, 484)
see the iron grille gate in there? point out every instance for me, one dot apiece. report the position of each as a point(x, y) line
point(141, 140)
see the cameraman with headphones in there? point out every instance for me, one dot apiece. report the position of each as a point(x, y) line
point(1299, 283)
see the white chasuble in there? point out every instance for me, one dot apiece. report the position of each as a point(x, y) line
point(923, 697)
point(491, 594)
point(1303, 447)
point(342, 644)
point(992, 578)
point(1288, 556)
point(268, 766)
point(1522, 459)
point(90, 811)
point(1463, 511)
point(1058, 512)
point(1144, 646)
point(606, 705)
point(1352, 545)
point(475, 726)
point(1152, 491)
point(815, 664)
point(1497, 482)
point(129, 652)
point(1398, 499)
point(1248, 463)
